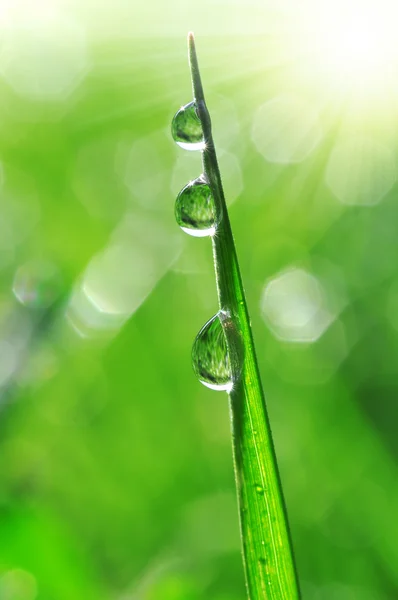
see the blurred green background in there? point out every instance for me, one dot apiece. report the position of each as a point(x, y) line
point(116, 478)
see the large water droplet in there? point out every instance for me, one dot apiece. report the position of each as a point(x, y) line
point(186, 128)
point(195, 209)
point(217, 353)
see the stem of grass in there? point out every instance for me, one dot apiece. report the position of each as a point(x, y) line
point(267, 550)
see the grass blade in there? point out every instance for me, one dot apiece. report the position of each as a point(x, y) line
point(267, 551)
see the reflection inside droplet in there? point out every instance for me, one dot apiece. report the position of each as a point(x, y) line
point(195, 210)
point(186, 128)
point(217, 353)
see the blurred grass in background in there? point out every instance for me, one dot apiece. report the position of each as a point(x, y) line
point(116, 478)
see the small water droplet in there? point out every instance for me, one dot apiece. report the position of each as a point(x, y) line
point(259, 489)
point(217, 353)
point(186, 128)
point(195, 209)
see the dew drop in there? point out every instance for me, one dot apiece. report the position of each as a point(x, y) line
point(217, 353)
point(195, 209)
point(186, 128)
point(259, 489)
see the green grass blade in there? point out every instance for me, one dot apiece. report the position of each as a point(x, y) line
point(267, 552)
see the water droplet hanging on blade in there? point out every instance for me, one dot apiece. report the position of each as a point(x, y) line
point(217, 353)
point(186, 128)
point(195, 210)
